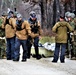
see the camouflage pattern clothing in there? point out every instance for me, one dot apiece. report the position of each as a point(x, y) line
point(2, 39)
point(74, 38)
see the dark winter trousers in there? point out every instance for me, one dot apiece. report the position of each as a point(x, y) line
point(29, 45)
point(60, 47)
point(10, 43)
point(19, 42)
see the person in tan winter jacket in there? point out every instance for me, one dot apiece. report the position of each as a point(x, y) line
point(9, 26)
point(61, 28)
point(36, 31)
point(22, 31)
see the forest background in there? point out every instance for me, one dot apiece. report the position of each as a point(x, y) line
point(48, 11)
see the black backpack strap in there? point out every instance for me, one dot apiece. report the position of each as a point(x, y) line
point(18, 27)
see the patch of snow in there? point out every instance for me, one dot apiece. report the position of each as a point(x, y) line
point(49, 46)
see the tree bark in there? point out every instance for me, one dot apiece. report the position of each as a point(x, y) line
point(44, 13)
point(75, 5)
point(56, 11)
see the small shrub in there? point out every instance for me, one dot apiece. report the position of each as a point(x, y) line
point(47, 39)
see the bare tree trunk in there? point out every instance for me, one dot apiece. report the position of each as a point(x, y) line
point(44, 13)
point(75, 5)
point(3, 5)
point(48, 15)
point(72, 5)
point(0, 6)
point(56, 11)
point(62, 10)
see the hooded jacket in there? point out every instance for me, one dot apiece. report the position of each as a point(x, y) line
point(26, 30)
point(61, 28)
point(35, 28)
point(9, 27)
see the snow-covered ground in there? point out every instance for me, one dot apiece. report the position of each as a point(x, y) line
point(32, 66)
point(43, 66)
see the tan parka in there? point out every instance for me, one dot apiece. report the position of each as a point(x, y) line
point(26, 30)
point(61, 28)
point(39, 32)
point(9, 28)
